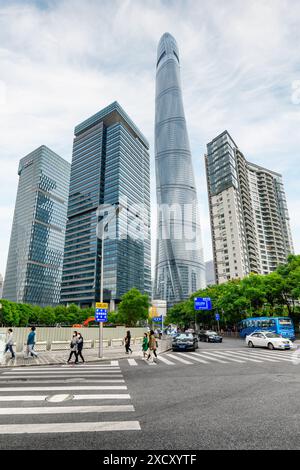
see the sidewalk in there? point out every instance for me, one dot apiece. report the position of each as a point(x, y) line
point(61, 357)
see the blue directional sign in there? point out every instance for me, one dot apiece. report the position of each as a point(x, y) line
point(101, 314)
point(202, 303)
point(157, 319)
point(217, 316)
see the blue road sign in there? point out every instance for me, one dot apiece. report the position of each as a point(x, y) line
point(217, 316)
point(101, 315)
point(157, 319)
point(202, 303)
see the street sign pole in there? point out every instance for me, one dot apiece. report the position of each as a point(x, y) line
point(101, 297)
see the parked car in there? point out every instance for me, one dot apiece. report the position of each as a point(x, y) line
point(263, 339)
point(185, 342)
point(210, 336)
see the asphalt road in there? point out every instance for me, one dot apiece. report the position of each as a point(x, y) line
point(228, 397)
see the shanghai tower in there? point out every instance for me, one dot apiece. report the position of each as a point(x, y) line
point(179, 269)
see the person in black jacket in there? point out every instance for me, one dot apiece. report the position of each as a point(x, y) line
point(79, 348)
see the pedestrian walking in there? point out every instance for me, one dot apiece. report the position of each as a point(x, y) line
point(152, 346)
point(145, 345)
point(79, 348)
point(9, 343)
point(73, 347)
point(127, 342)
point(31, 343)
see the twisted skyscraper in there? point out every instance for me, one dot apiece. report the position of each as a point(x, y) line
point(179, 269)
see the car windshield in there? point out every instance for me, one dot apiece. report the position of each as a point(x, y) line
point(188, 336)
point(273, 335)
point(211, 333)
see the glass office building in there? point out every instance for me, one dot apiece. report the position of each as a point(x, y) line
point(179, 269)
point(110, 166)
point(35, 257)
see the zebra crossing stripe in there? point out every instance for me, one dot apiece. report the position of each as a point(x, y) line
point(173, 356)
point(99, 396)
point(197, 359)
point(228, 356)
point(166, 361)
point(60, 374)
point(114, 363)
point(50, 428)
point(67, 409)
point(69, 387)
point(204, 355)
point(132, 362)
point(269, 356)
point(246, 357)
point(17, 380)
point(261, 356)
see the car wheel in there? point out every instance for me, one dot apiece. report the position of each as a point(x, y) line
point(270, 346)
point(250, 344)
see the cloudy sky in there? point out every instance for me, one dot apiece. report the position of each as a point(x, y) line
point(63, 60)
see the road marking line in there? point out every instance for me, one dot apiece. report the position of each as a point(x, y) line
point(55, 428)
point(67, 409)
point(204, 355)
point(261, 356)
point(91, 377)
point(45, 374)
point(17, 380)
point(173, 356)
point(246, 357)
point(103, 396)
point(62, 368)
point(225, 355)
point(197, 359)
point(69, 387)
point(132, 362)
point(114, 363)
point(166, 361)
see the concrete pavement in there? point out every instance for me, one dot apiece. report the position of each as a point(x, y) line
point(90, 356)
point(248, 400)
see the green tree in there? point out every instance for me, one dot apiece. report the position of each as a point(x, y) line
point(134, 307)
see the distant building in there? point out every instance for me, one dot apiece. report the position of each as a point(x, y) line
point(110, 165)
point(248, 213)
point(210, 273)
point(35, 257)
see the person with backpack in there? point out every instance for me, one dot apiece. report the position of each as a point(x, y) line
point(79, 348)
point(9, 343)
point(31, 343)
point(73, 347)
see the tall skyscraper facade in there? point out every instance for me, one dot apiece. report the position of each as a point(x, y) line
point(248, 213)
point(110, 166)
point(35, 257)
point(179, 268)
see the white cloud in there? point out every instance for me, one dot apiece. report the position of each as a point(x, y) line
point(64, 62)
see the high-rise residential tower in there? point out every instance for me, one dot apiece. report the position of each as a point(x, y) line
point(248, 213)
point(35, 257)
point(110, 166)
point(179, 269)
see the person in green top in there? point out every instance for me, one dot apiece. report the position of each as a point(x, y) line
point(145, 345)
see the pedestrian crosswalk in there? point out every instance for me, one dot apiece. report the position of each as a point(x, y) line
point(65, 399)
point(221, 356)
